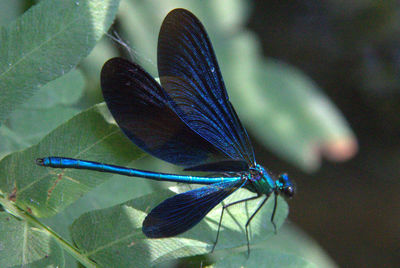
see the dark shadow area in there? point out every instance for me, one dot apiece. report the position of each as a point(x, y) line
point(352, 50)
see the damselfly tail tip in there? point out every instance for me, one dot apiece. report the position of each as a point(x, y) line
point(40, 162)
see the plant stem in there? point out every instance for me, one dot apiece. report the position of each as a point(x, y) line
point(13, 209)
point(64, 244)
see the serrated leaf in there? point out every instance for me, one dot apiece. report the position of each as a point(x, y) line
point(45, 191)
point(113, 237)
point(24, 245)
point(45, 42)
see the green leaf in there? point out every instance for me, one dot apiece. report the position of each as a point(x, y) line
point(45, 42)
point(45, 191)
point(52, 105)
point(113, 236)
point(92, 65)
point(293, 241)
point(24, 245)
point(9, 10)
point(263, 257)
point(283, 107)
point(114, 191)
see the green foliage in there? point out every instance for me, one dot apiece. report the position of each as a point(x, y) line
point(27, 190)
point(24, 243)
point(46, 42)
point(275, 259)
point(113, 237)
point(86, 136)
point(96, 217)
point(52, 105)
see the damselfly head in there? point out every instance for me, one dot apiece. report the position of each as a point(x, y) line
point(285, 186)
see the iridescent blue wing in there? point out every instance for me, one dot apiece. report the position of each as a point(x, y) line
point(183, 211)
point(142, 110)
point(189, 73)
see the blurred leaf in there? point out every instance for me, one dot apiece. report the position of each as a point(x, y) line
point(41, 45)
point(113, 236)
point(24, 245)
point(291, 240)
point(65, 90)
point(47, 109)
point(9, 10)
point(284, 108)
point(263, 257)
point(44, 191)
point(278, 103)
point(141, 22)
point(91, 67)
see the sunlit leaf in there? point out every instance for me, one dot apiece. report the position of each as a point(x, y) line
point(113, 236)
point(45, 191)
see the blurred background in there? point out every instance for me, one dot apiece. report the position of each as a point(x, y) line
point(316, 83)
point(351, 49)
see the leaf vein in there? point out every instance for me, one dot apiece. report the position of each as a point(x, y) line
point(85, 150)
point(30, 52)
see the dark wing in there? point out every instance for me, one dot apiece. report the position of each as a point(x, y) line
point(189, 72)
point(221, 166)
point(142, 110)
point(183, 211)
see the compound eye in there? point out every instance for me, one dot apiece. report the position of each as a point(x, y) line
point(289, 191)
